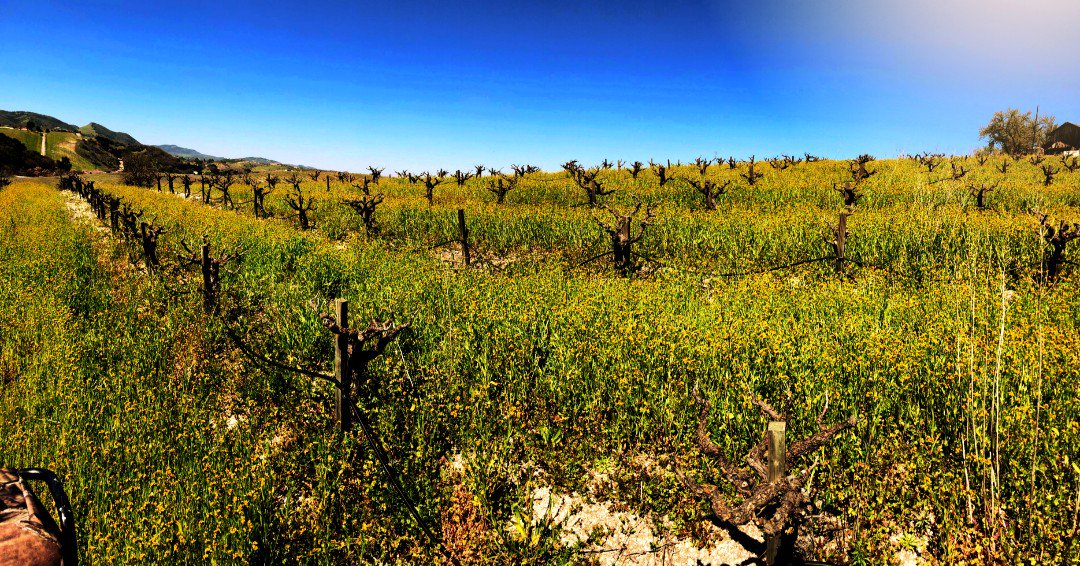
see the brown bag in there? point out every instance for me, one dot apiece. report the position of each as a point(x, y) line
point(28, 534)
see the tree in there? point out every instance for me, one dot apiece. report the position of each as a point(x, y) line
point(139, 170)
point(1016, 133)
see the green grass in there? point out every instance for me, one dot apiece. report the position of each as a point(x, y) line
point(62, 144)
point(57, 145)
point(31, 140)
point(497, 360)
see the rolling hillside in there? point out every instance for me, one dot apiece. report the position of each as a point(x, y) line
point(63, 144)
point(31, 140)
point(14, 156)
point(84, 153)
point(91, 147)
point(95, 130)
point(96, 147)
point(21, 118)
point(187, 153)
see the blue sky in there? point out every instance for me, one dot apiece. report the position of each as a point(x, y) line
point(418, 84)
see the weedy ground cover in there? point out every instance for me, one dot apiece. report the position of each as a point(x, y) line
point(960, 366)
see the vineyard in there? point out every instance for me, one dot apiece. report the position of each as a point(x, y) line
point(623, 333)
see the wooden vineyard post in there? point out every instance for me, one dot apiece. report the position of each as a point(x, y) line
point(623, 258)
point(777, 450)
point(839, 242)
point(114, 214)
point(208, 279)
point(327, 183)
point(342, 369)
point(777, 468)
point(464, 231)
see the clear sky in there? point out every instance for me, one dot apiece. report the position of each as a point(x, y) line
point(426, 84)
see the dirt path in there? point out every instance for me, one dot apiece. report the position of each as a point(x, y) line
point(631, 539)
point(43, 136)
point(82, 213)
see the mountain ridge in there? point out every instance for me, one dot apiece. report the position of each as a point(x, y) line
point(187, 153)
point(23, 118)
point(97, 130)
point(96, 141)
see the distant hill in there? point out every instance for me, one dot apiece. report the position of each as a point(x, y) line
point(187, 153)
point(164, 160)
point(21, 119)
point(95, 146)
point(90, 147)
point(260, 161)
point(95, 130)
